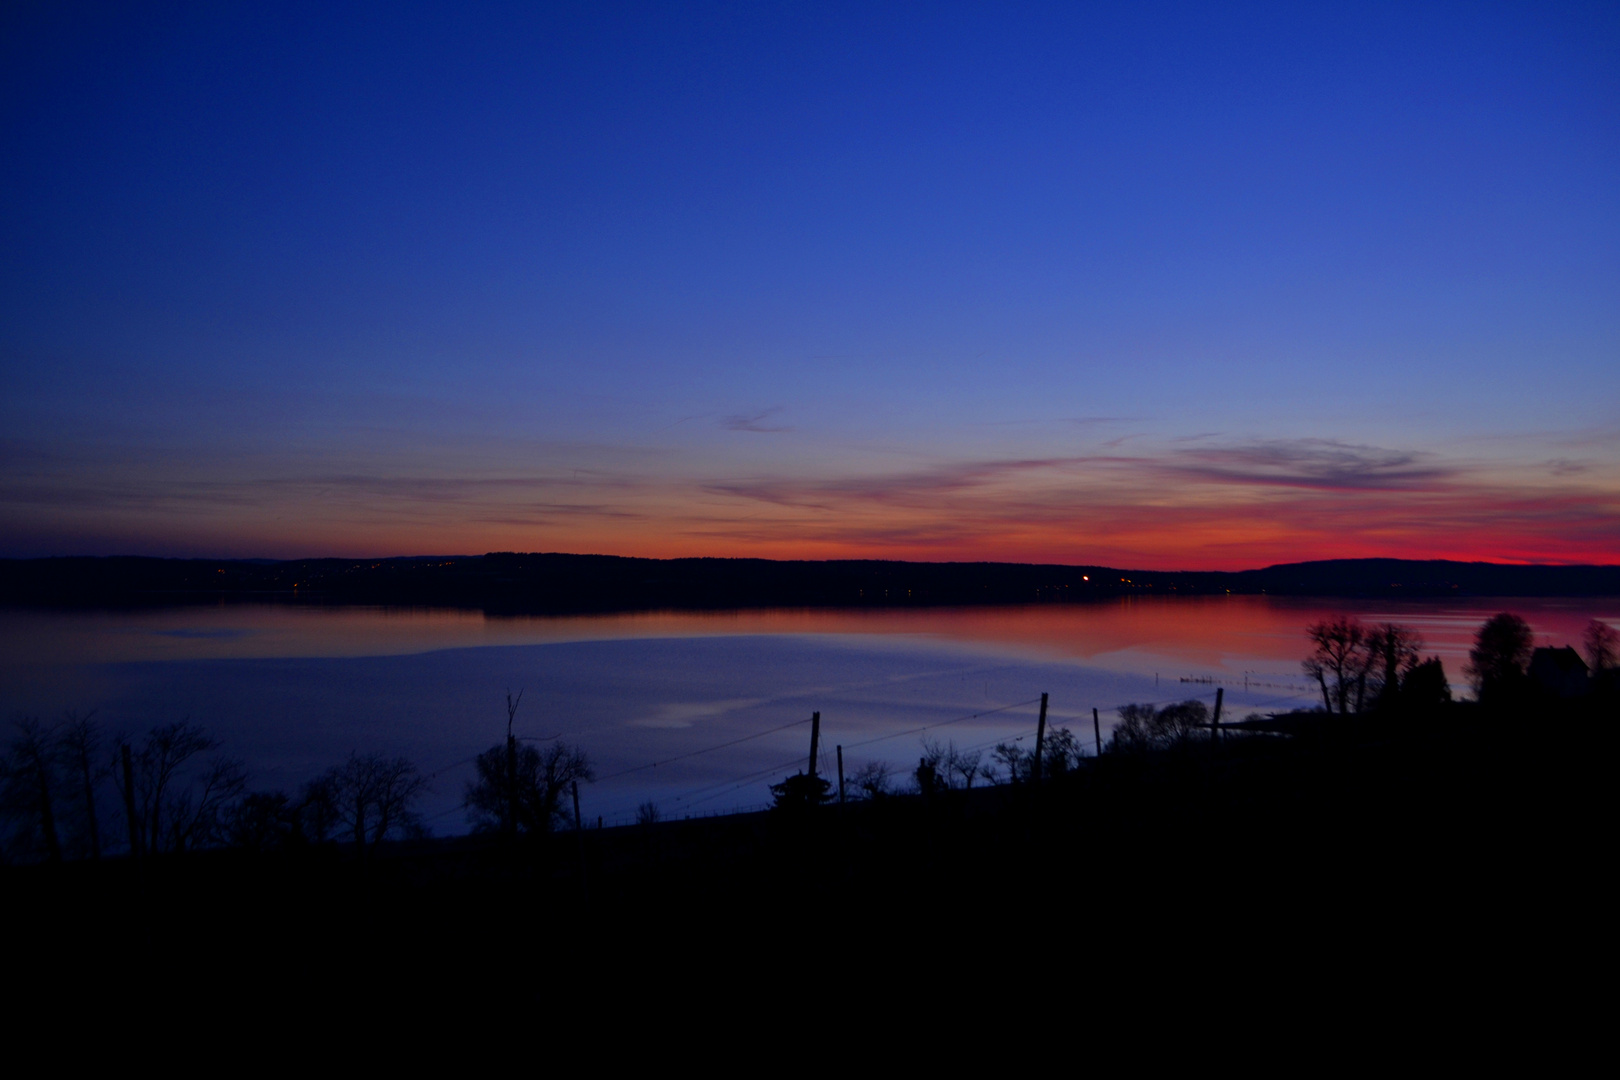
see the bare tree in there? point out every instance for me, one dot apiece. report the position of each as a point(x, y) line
point(1133, 734)
point(1142, 728)
point(373, 796)
point(1061, 753)
point(1602, 645)
point(263, 821)
point(179, 796)
point(30, 780)
point(1340, 657)
point(317, 807)
point(81, 752)
point(873, 780)
point(196, 813)
point(521, 788)
point(963, 764)
point(511, 810)
point(1016, 762)
point(1394, 650)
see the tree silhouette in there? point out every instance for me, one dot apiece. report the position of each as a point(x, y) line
point(1394, 651)
point(317, 808)
point(520, 788)
point(1142, 729)
point(1425, 686)
point(874, 780)
point(178, 800)
point(28, 782)
point(930, 775)
point(1340, 659)
point(964, 765)
point(1601, 644)
point(263, 821)
point(81, 755)
point(800, 792)
point(1061, 753)
point(372, 796)
point(1013, 758)
point(1501, 649)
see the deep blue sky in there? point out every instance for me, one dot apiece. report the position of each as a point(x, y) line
point(1169, 285)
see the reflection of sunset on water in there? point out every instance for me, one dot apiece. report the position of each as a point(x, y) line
point(1222, 636)
point(292, 689)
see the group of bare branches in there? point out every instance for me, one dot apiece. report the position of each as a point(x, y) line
point(520, 790)
point(173, 789)
point(524, 790)
point(946, 768)
point(1360, 668)
point(1145, 729)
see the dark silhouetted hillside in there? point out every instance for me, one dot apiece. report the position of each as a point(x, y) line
point(560, 583)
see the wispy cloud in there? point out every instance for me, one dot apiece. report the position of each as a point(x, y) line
point(1321, 464)
point(918, 488)
point(1093, 421)
point(754, 421)
point(1214, 502)
point(1208, 501)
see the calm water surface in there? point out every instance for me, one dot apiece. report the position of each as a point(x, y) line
point(293, 690)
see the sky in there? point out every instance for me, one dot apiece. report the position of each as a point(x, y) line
point(1168, 286)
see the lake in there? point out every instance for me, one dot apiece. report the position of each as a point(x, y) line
point(293, 690)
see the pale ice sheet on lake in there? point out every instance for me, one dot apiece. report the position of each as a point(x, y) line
point(293, 691)
point(627, 702)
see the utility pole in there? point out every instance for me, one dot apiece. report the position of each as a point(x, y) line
point(129, 804)
point(1096, 729)
point(510, 825)
point(1040, 743)
point(579, 839)
point(840, 774)
point(815, 740)
point(1215, 724)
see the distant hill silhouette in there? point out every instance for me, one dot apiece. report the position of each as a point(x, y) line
point(504, 582)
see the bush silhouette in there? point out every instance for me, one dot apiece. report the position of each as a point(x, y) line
point(521, 789)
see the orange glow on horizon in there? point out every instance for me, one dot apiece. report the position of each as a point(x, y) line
point(1219, 509)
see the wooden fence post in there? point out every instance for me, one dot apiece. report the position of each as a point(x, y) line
point(1040, 743)
point(815, 739)
point(129, 804)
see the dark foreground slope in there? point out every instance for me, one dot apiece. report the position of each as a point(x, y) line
point(558, 583)
point(1458, 857)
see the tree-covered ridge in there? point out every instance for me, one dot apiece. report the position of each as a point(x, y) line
point(561, 583)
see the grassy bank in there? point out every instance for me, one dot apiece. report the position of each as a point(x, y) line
point(1457, 836)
